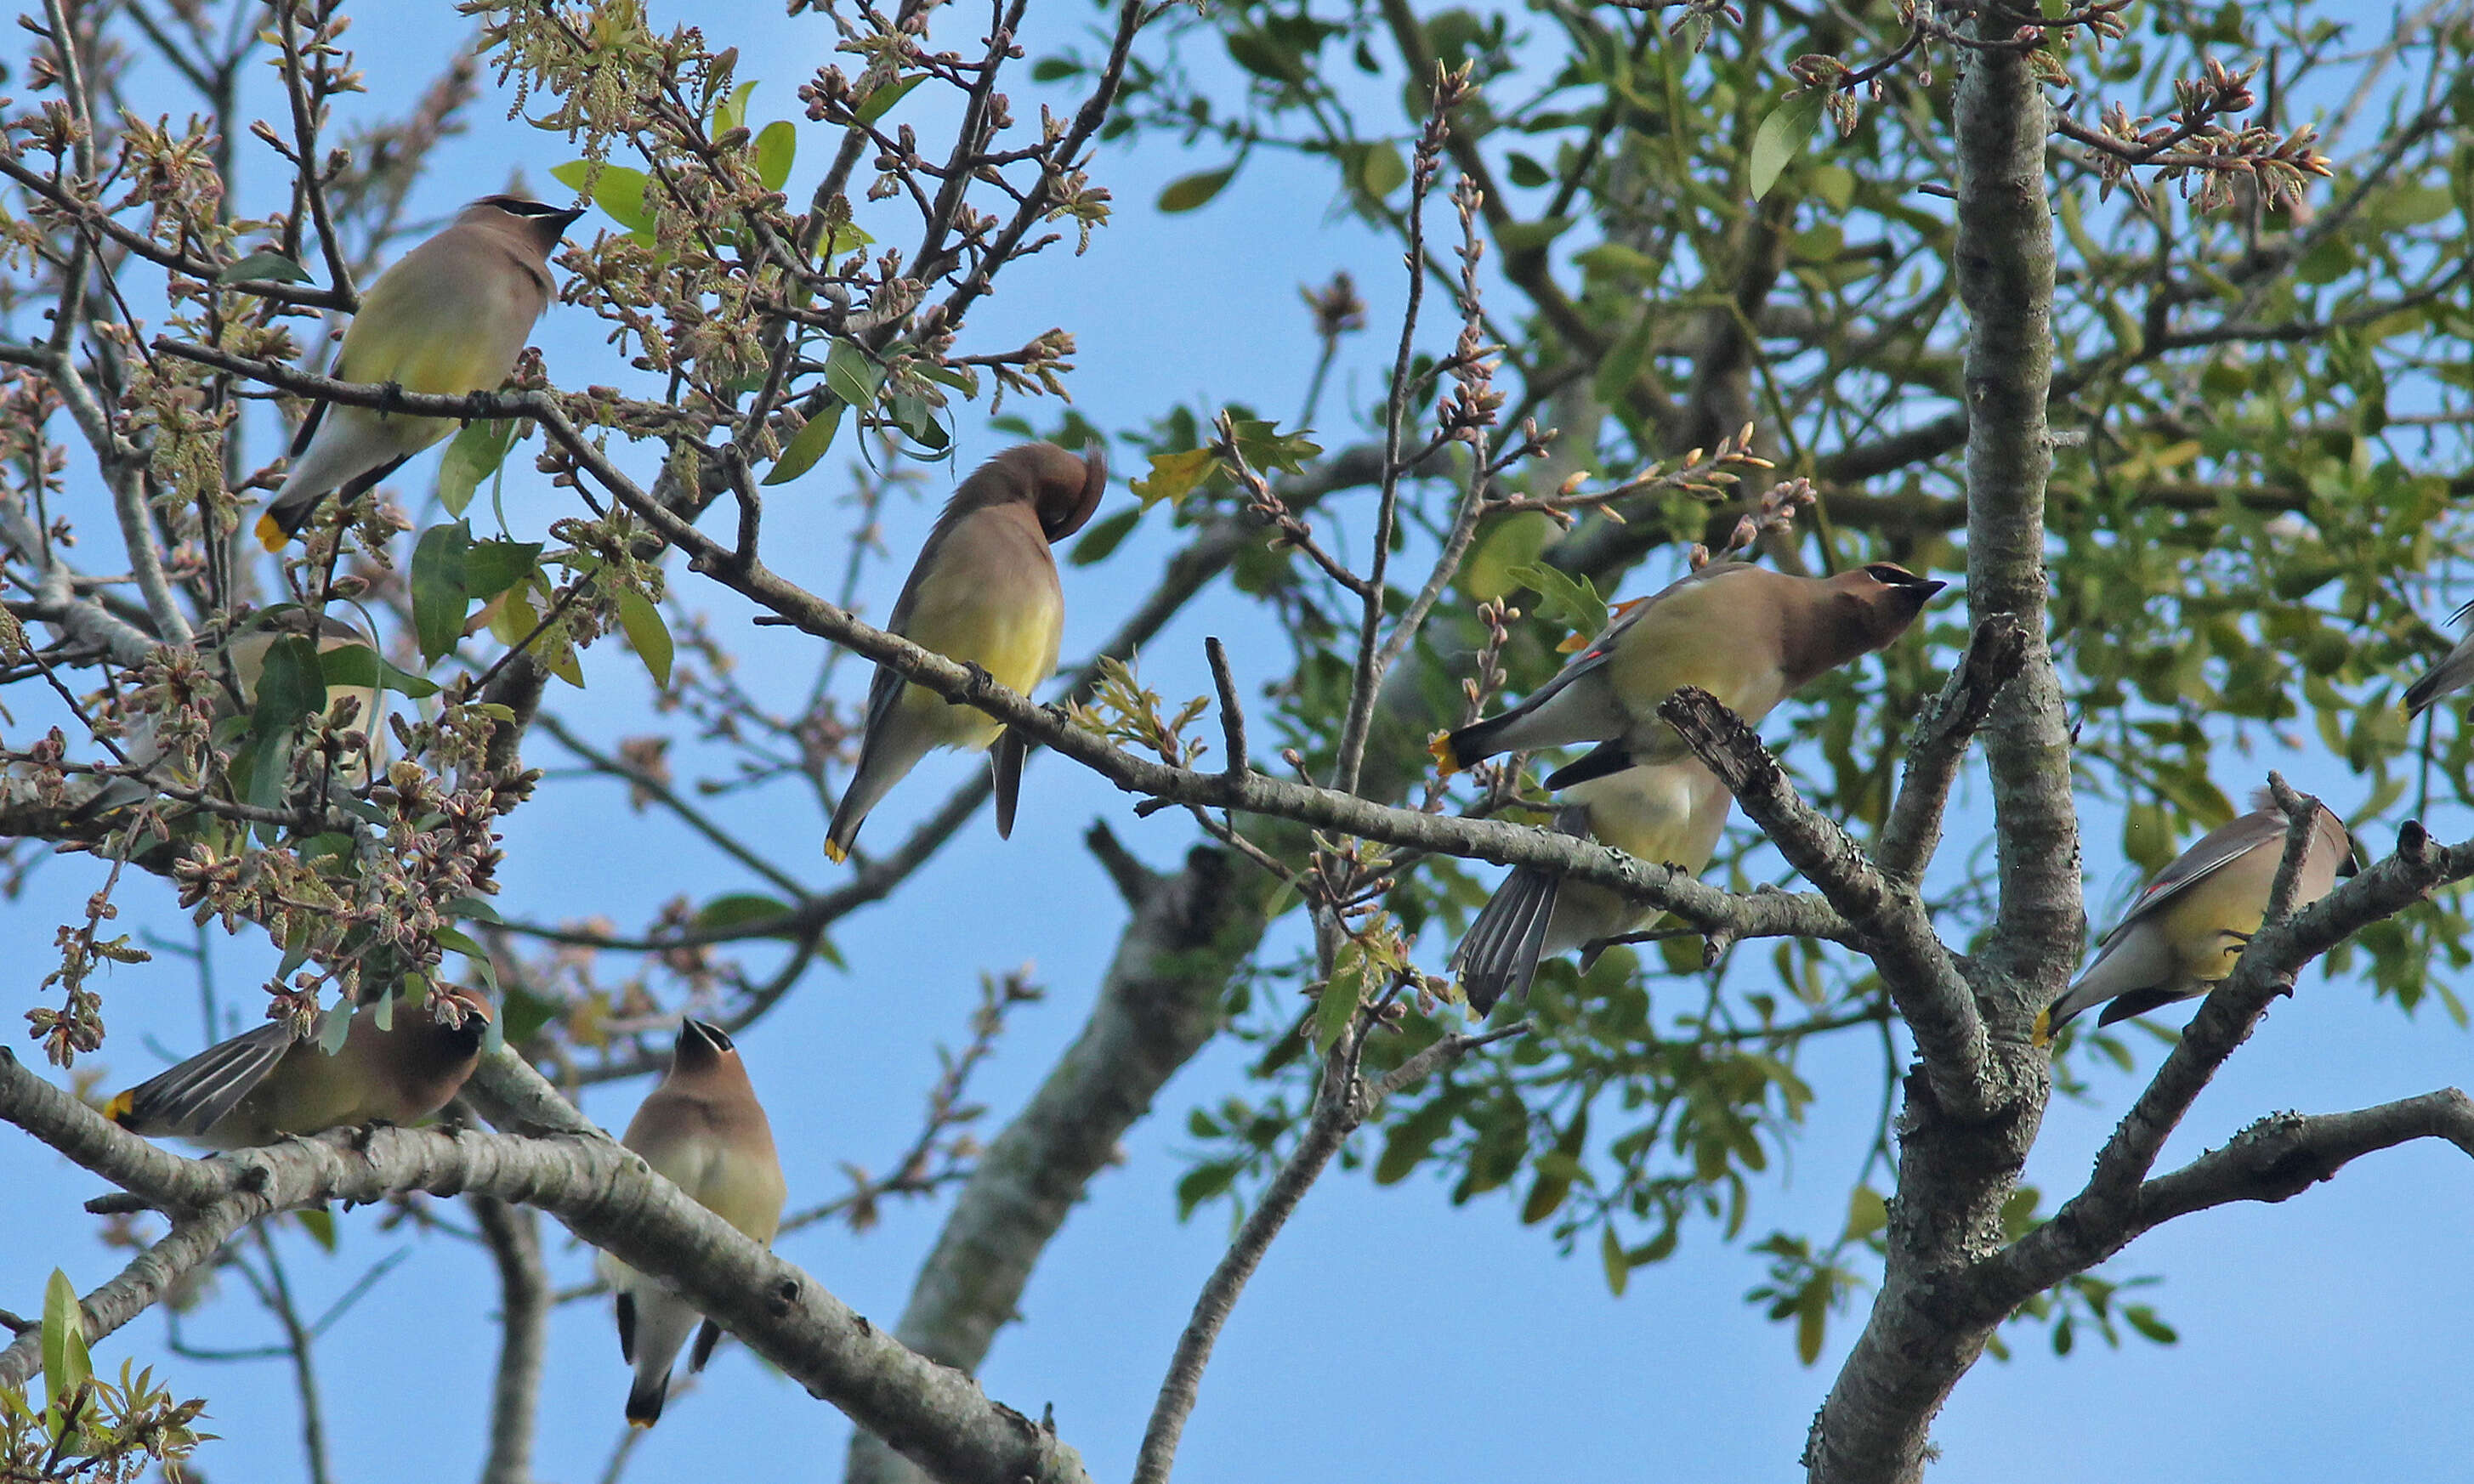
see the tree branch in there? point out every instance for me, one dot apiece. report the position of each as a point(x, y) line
point(609, 1197)
point(1887, 919)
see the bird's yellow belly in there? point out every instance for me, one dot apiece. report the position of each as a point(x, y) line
point(1017, 654)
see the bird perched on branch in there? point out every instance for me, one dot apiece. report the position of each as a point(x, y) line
point(702, 1130)
point(984, 592)
point(1668, 812)
point(447, 319)
point(265, 1084)
point(1747, 635)
point(2186, 928)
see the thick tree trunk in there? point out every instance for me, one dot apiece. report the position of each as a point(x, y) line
point(1931, 1323)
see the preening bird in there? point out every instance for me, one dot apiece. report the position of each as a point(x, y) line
point(449, 318)
point(982, 592)
point(703, 1131)
point(265, 1084)
point(1668, 812)
point(2186, 928)
point(2454, 672)
point(1747, 635)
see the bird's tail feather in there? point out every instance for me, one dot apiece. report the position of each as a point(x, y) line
point(1499, 955)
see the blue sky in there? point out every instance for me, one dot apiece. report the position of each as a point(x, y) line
point(1389, 1336)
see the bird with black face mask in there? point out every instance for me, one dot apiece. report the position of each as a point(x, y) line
point(449, 318)
point(701, 1129)
point(1749, 635)
point(2186, 928)
point(265, 1084)
point(982, 592)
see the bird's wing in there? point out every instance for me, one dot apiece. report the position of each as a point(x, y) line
point(2215, 851)
point(190, 1098)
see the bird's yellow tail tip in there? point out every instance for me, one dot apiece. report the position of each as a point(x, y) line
point(119, 1107)
point(2043, 1034)
point(640, 1423)
point(835, 850)
point(270, 533)
point(1440, 748)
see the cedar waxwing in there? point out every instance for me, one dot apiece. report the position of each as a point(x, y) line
point(2454, 672)
point(1745, 634)
point(1670, 813)
point(702, 1130)
point(984, 592)
point(265, 1084)
point(451, 317)
point(2186, 928)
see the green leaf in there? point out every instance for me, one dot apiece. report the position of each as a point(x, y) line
point(1506, 546)
point(490, 567)
point(1338, 1006)
point(1413, 1138)
point(438, 596)
point(292, 686)
point(470, 909)
point(917, 416)
point(1811, 1319)
point(775, 149)
point(462, 943)
point(1866, 1213)
point(1187, 192)
point(1201, 1182)
point(1834, 184)
point(320, 1223)
point(1616, 260)
point(1382, 171)
point(877, 103)
point(65, 1363)
point(1554, 1182)
point(1563, 599)
point(731, 111)
point(806, 445)
point(524, 1014)
point(1781, 137)
point(359, 666)
point(1531, 236)
point(619, 191)
point(740, 909)
point(852, 374)
point(1264, 58)
point(1610, 1256)
point(647, 633)
point(264, 266)
point(334, 1024)
point(475, 456)
point(2141, 1318)
point(1525, 172)
point(1102, 538)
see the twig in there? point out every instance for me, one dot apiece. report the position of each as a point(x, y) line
point(1341, 1105)
point(514, 1241)
point(1232, 716)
